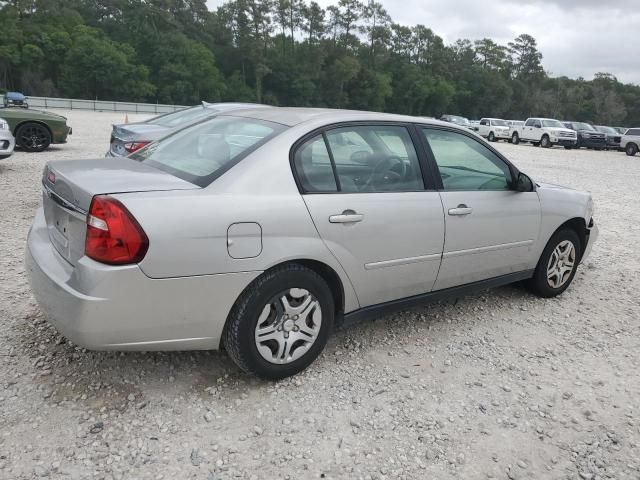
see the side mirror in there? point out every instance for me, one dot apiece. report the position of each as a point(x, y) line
point(523, 183)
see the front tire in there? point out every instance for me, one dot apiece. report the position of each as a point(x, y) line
point(280, 323)
point(33, 137)
point(557, 265)
point(515, 139)
point(631, 149)
point(492, 137)
point(545, 142)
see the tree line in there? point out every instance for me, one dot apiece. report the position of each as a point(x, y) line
point(286, 52)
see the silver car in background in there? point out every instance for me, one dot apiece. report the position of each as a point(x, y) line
point(7, 141)
point(258, 230)
point(127, 138)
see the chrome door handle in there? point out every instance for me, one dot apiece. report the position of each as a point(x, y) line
point(348, 216)
point(460, 210)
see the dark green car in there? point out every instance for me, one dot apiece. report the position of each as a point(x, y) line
point(35, 130)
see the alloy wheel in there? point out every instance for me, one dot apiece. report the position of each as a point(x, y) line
point(34, 137)
point(561, 264)
point(288, 326)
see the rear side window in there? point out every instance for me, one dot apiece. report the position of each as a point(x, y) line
point(359, 159)
point(201, 153)
point(314, 168)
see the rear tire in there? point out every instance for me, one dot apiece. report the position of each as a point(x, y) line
point(568, 147)
point(266, 320)
point(554, 273)
point(515, 139)
point(631, 149)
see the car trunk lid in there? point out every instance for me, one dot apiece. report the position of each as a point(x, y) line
point(70, 185)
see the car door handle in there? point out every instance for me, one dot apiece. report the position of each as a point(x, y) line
point(348, 216)
point(460, 210)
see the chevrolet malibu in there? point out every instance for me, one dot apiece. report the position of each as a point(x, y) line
point(258, 230)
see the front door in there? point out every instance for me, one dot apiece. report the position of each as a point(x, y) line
point(365, 192)
point(490, 228)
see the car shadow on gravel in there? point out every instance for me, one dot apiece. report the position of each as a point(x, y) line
point(106, 379)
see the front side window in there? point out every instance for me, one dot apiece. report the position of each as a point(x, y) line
point(465, 164)
point(529, 123)
point(633, 131)
point(201, 153)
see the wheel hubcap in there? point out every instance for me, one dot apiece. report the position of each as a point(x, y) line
point(288, 326)
point(561, 264)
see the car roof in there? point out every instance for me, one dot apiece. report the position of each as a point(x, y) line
point(292, 116)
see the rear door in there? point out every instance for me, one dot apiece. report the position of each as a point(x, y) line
point(365, 191)
point(490, 228)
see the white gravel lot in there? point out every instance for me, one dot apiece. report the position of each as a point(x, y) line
point(503, 385)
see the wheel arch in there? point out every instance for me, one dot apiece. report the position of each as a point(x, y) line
point(39, 122)
point(578, 225)
point(326, 272)
point(329, 275)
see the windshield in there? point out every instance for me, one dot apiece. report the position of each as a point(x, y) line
point(582, 126)
point(606, 130)
point(552, 124)
point(201, 153)
point(182, 117)
point(499, 123)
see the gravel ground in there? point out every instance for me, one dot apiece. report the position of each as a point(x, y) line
point(503, 385)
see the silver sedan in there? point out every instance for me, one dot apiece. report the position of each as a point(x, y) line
point(259, 230)
point(7, 141)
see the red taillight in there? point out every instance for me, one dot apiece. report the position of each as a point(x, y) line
point(113, 235)
point(131, 147)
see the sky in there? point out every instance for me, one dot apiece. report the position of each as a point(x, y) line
point(577, 38)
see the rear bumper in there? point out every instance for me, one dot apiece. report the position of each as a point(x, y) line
point(103, 307)
point(7, 143)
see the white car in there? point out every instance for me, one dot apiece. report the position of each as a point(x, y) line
point(630, 141)
point(7, 142)
point(544, 132)
point(494, 129)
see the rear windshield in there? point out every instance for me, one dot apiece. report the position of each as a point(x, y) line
point(182, 117)
point(201, 153)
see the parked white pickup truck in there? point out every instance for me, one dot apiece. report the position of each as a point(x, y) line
point(631, 141)
point(545, 132)
point(494, 129)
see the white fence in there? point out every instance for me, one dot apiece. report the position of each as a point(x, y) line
point(98, 105)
